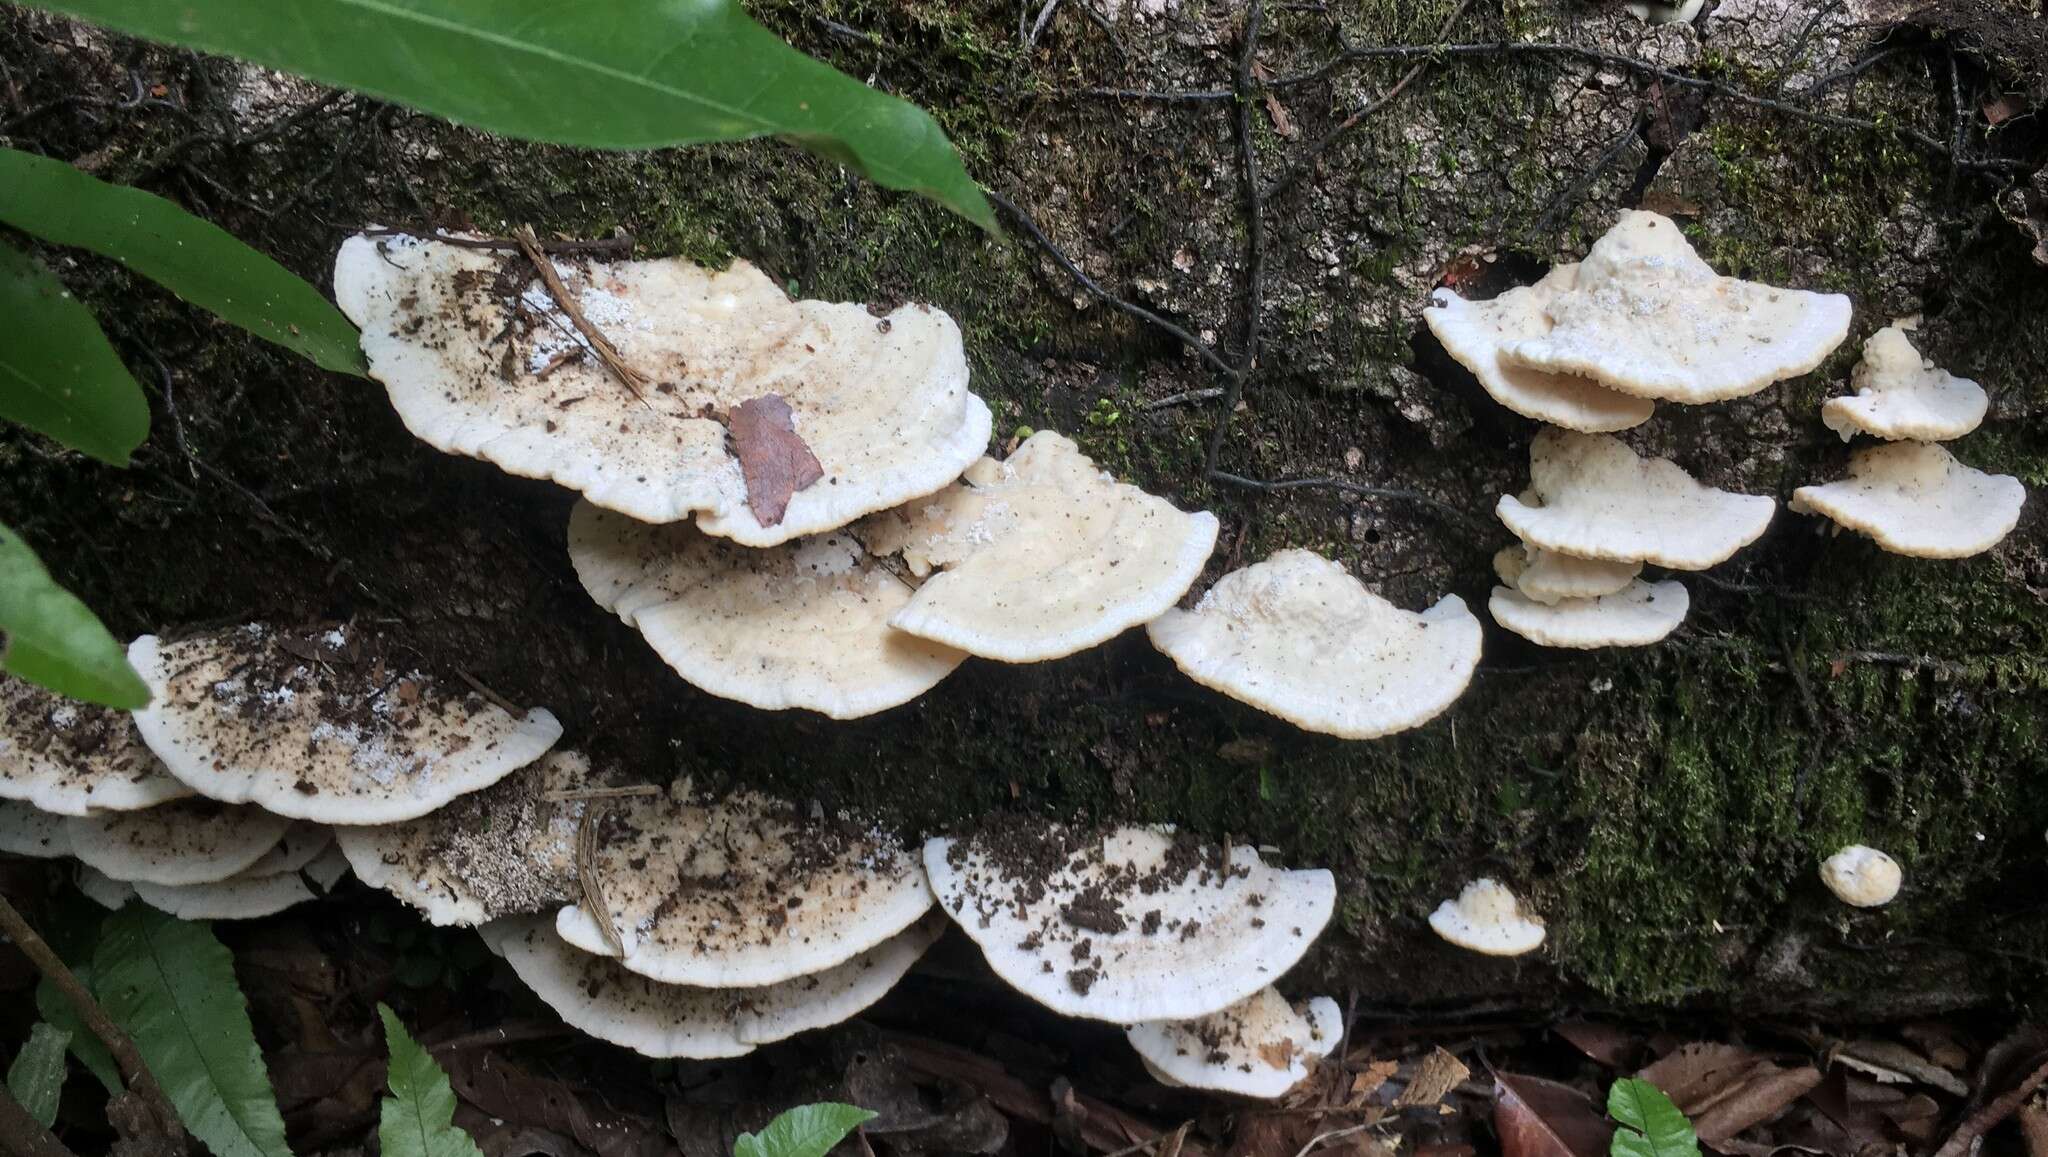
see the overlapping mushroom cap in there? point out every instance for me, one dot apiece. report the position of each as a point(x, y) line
point(1915, 499)
point(1473, 332)
point(1297, 635)
point(187, 841)
point(72, 758)
point(507, 850)
point(479, 360)
point(1262, 1046)
point(1040, 555)
point(1901, 395)
point(1636, 615)
point(740, 892)
point(326, 725)
point(1549, 577)
point(804, 624)
point(1487, 918)
point(1128, 925)
point(248, 894)
point(1591, 497)
point(1645, 316)
point(27, 830)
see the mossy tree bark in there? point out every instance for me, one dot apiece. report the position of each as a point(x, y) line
point(1665, 808)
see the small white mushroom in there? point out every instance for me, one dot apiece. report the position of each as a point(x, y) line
point(27, 830)
point(479, 360)
point(740, 892)
point(1915, 499)
point(1474, 331)
point(1487, 918)
point(1645, 316)
point(1549, 577)
point(504, 851)
point(1636, 616)
point(1128, 925)
point(1591, 496)
point(72, 758)
point(804, 624)
point(248, 894)
point(1259, 1047)
point(326, 725)
point(1862, 877)
point(1298, 636)
point(187, 841)
point(1663, 12)
point(1040, 555)
point(1900, 395)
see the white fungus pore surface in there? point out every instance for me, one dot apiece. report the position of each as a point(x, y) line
point(1298, 636)
point(1262, 1046)
point(479, 360)
point(1915, 499)
point(1901, 395)
point(1473, 332)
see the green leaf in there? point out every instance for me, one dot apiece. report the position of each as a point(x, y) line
point(53, 640)
point(36, 1077)
point(805, 1131)
point(85, 1046)
point(419, 1115)
point(1651, 1126)
point(171, 985)
point(195, 259)
point(58, 375)
point(621, 74)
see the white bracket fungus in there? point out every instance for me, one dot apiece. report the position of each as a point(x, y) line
point(1637, 615)
point(322, 725)
point(1900, 395)
point(804, 624)
point(507, 850)
point(480, 360)
point(248, 894)
point(72, 758)
point(1040, 556)
point(1549, 577)
point(1487, 918)
point(1862, 877)
point(189, 841)
point(1259, 1047)
point(739, 892)
point(103, 889)
point(1130, 925)
point(1645, 316)
point(1591, 497)
point(1473, 332)
point(27, 830)
point(1915, 499)
point(1298, 636)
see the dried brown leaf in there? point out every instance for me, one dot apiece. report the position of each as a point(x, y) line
point(1436, 1075)
point(1938, 1044)
point(1897, 1064)
point(496, 1086)
point(1614, 1047)
point(1279, 1053)
point(1726, 1089)
point(2034, 1128)
point(1993, 1112)
point(1539, 1118)
point(773, 457)
point(1369, 1079)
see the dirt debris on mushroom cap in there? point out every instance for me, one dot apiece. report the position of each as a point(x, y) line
point(1646, 316)
point(479, 360)
point(27, 830)
point(1040, 555)
point(1126, 924)
point(801, 625)
point(1473, 332)
point(1262, 1046)
point(1487, 918)
point(507, 850)
point(1300, 637)
point(601, 997)
point(1637, 615)
point(187, 841)
point(1861, 876)
point(250, 893)
point(740, 891)
point(1546, 576)
point(1900, 395)
point(333, 724)
point(1592, 497)
point(72, 758)
point(1915, 499)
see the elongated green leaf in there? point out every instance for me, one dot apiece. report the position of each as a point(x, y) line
point(1651, 1126)
point(53, 640)
point(171, 985)
point(85, 1046)
point(58, 375)
point(805, 1131)
point(72, 926)
point(623, 74)
point(195, 259)
point(36, 1078)
point(418, 1118)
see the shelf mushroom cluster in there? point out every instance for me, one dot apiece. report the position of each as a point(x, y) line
point(1907, 492)
point(1589, 350)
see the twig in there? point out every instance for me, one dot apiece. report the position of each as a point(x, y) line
point(1255, 238)
point(1321, 1139)
point(1184, 397)
point(586, 879)
point(576, 793)
point(599, 344)
point(21, 1135)
point(501, 1035)
point(1038, 26)
point(496, 700)
point(620, 245)
point(135, 1075)
point(1162, 96)
point(1570, 193)
point(1344, 487)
